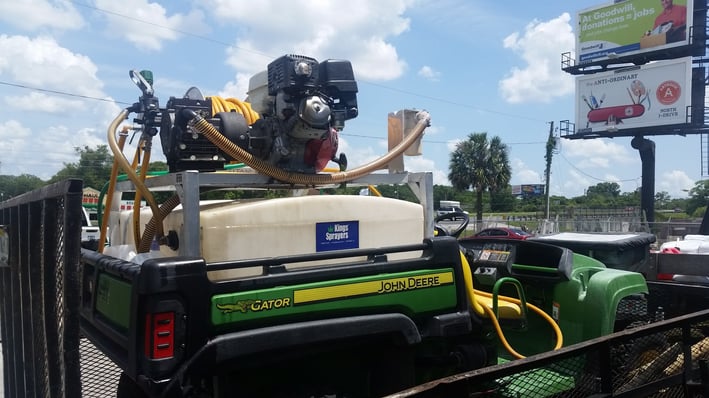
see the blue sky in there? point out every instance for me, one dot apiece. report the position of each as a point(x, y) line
point(475, 66)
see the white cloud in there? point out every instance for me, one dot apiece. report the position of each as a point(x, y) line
point(237, 88)
point(363, 155)
point(540, 46)
point(522, 174)
point(12, 132)
point(52, 124)
point(675, 182)
point(434, 129)
point(128, 18)
point(573, 186)
point(359, 155)
point(23, 152)
point(452, 145)
point(429, 73)
point(31, 15)
point(597, 153)
point(40, 102)
point(357, 31)
point(41, 62)
point(422, 164)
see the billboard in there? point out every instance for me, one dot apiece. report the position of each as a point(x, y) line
point(631, 27)
point(655, 94)
point(528, 190)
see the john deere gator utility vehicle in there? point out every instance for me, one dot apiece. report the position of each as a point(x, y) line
point(305, 295)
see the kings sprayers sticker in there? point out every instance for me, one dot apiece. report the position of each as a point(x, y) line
point(337, 235)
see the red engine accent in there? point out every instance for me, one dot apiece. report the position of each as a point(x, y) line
point(617, 113)
point(319, 152)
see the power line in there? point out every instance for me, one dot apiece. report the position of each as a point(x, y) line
point(68, 94)
point(349, 134)
point(590, 176)
point(225, 44)
point(45, 90)
point(445, 101)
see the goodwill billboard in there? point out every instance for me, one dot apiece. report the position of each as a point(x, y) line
point(631, 27)
point(655, 94)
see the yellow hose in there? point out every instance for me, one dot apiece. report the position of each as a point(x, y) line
point(374, 190)
point(243, 156)
point(138, 197)
point(483, 310)
point(220, 104)
point(123, 163)
point(156, 219)
point(123, 135)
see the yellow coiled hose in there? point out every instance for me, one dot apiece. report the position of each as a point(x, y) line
point(220, 104)
point(483, 310)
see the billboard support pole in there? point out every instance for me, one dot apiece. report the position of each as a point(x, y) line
point(647, 190)
point(547, 170)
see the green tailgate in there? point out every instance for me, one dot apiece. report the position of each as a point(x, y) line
point(408, 292)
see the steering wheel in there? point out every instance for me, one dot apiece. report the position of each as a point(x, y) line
point(451, 216)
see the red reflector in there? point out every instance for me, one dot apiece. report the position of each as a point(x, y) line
point(160, 335)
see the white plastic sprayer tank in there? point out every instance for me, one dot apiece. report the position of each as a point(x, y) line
point(238, 230)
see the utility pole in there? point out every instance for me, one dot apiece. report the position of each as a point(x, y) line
point(547, 172)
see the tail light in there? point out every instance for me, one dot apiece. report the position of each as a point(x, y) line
point(160, 335)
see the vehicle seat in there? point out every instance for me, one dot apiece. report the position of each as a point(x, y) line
point(480, 300)
point(506, 309)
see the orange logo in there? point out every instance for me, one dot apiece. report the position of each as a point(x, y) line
point(668, 92)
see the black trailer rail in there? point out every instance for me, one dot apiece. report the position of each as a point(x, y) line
point(662, 359)
point(44, 354)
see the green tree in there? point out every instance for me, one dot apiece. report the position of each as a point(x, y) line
point(94, 167)
point(698, 196)
point(606, 189)
point(630, 198)
point(662, 200)
point(157, 166)
point(481, 165)
point(402, 192)
point(678, 204)
point(17, 185)
point(502, 200)
point(532, 203)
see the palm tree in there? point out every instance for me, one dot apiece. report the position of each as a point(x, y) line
point(481, 165)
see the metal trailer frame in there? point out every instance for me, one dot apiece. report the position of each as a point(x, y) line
point(596, 368)
point(39, 291)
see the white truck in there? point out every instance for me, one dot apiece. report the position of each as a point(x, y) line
point(449, 206)
point(89, 232)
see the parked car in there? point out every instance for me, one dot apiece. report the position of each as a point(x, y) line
point(502, 232)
